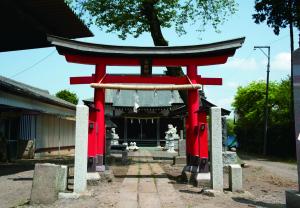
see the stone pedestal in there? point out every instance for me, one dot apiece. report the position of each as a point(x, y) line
point(292, 199)
point(235, 178)
point(48, 181)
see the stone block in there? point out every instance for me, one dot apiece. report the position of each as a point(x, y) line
point(235, 178)
point(201, 179)
point(229, 158)
point(48, 180)
point(182, 147)
point(179, 160)
point(62, 178)
point(211, 193)
point(124, 157)
point(107, 176)
point(81, 142)
point(292, 198)
point(93, 178)
point(216, 149)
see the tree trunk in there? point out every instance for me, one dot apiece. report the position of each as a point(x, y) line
point(149, 11)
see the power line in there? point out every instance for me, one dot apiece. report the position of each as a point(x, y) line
point(33, 65)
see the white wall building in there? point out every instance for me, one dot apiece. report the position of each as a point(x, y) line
point(31, 114)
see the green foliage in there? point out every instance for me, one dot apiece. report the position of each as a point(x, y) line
point(277, 13)
point(249, 104)
point(128, 17)
point(67, 96)
point(230, 127)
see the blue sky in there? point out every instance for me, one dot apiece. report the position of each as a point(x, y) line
point(247, 65)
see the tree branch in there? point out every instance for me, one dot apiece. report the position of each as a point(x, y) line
point(149, 11)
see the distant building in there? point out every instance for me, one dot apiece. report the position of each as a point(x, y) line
point(32, 114)
point(143, 116)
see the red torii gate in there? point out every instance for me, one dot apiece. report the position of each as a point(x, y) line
point(146, 57)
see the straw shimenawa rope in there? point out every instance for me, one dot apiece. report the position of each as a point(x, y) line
point(146, 87)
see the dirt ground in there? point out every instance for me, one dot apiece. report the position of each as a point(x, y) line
point(264, 184)
point(263, 188)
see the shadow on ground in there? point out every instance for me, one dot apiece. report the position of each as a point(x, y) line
point(257, 203)
point(12, 168)
point(18, 166)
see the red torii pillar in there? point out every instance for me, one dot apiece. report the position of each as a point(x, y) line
point(196, 141)
point(193, 107)
point(99, 102)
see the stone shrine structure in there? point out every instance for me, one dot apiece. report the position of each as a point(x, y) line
point(114, 137)
point(171, 136)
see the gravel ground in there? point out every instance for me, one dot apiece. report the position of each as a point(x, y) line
point(264, 184)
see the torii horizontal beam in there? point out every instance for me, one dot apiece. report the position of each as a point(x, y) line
point(156, 79)
point(161, 61)
point(146, 87)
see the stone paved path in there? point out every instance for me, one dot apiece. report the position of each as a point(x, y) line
point(147, 186)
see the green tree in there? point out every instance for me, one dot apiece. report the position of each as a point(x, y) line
point(280, 14)
point(67, 96)
point(249, 106)
point(131, 17)
point(230, 127)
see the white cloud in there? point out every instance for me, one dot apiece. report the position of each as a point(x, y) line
point(225, 102)
point(232, 84)
point(282, 62)
point(249, 64)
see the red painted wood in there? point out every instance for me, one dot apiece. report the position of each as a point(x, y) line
point(187, 141)
point(193, 107)
point(92, 142)
point(209, 81)
point(121, 61)
point(156, 79)
point(82, 80)
point(203, 135)
point(141, 79)
point(197, 145)
point(99, 100)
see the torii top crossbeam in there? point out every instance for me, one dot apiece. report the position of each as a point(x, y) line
point(206, 54)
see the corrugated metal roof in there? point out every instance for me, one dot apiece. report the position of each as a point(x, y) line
point(9, 85)
point(25, 24)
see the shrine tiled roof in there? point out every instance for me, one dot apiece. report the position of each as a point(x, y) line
point(127, 98)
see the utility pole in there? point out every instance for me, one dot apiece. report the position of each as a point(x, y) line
point(267, 95)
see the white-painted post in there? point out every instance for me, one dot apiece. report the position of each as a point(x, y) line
point(216, 149)
point(81, 145)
